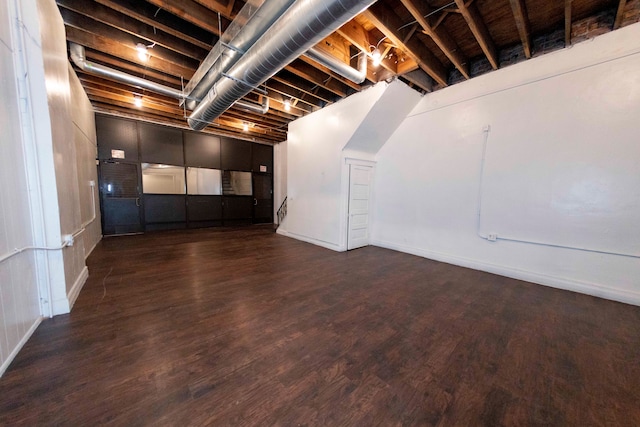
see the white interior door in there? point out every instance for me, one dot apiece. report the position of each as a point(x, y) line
point(359, 192)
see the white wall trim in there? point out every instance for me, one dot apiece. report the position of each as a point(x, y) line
point(21, 344)
point(63, 306)
point(311, 240)
point(593, 289)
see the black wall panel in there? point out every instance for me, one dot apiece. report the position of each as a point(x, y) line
point(238, 208)
point(164, 208)
point(201, 150)
point(236, 155)
point(204, 208)
point(160, 144)
point(262, 155)
point(116, 134)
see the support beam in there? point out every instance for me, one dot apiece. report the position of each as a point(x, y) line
point(440, 37)
point(567, 22)
point(383, 17)
point(522, 22)
point(75, 9)
point(142, 11)
point(359, 37)
point(619, 14)
point(193, 12)
point(480, 31)
point(128, 53)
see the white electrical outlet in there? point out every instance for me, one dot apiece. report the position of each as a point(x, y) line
point(68, 239)
point(492, 237)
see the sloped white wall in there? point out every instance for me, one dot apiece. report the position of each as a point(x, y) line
point(314, 168)
point(426, 191)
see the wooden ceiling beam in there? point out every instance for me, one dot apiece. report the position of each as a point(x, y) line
point(193, 12)
point(134, 27)
point(142, 11)
point(440, 37)
point(360, 38)
point(619, 14)
point(327, 71)
point(127, 52)
point(386, 20)
point(287, 92)
point(134, 69)
point(315, 76)
point(163, 118)
point(522, 22)
point(84, 23)
point(471, 14)
point(567, 22)
point(224, 8)
point(299, 86)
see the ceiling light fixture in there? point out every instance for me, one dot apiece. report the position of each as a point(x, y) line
point(376, 57)
point(143, 53)
point(287, 105)
point(245, 126)
point(137, 101)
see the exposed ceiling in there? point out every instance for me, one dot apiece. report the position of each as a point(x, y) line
point(428, 44)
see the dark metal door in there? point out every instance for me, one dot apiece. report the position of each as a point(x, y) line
point(120, 194)
point(262, 198)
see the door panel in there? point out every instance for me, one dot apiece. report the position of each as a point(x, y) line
point(120, 193)
point(262, 198)
point(359, 193)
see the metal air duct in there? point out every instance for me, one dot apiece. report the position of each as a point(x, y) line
point(231, 46)
point(304, 24)
point(78, 58)
point(337, 66)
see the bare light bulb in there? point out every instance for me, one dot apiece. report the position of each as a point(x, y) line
point(376, 57)
point(287, 105)
point(143, 54)
point(137, 101)
point(245, 127)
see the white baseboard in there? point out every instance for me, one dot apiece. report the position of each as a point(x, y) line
point(311, 240)
point(63, 306)
point(18, 347)
point(597, 290)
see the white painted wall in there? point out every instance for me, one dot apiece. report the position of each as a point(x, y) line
point(19, 302)
point(86, 147)
point(316, 211)
point(426, 188)
point(47, 159)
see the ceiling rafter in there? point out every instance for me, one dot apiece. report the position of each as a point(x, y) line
point(195, 13)
point(567, 21)
point(141, 12)
point(387, 21)
point(125, 23)
point(619, 14)
point(440, 37)
point(476, 24)
point(127, 52)
point(519, 8)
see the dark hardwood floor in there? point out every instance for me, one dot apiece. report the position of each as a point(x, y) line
point(246, 327)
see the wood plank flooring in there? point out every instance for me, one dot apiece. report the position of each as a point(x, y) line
point(246, 327)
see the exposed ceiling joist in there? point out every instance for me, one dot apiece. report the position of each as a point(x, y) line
point(519, 8)
point(480, 31)
point(388, 22)
point(440, 36)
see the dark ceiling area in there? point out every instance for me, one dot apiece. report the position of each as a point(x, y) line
point(427, 44)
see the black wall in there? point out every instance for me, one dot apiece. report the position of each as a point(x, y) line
point(150, 143)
